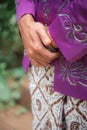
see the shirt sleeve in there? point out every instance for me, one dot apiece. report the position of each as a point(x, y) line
point(24, 7)
point(69, 30)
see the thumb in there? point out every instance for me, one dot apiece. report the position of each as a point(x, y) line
point(45, 39)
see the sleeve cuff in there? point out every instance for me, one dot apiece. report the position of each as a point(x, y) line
point(24, 7)
point(70, 48)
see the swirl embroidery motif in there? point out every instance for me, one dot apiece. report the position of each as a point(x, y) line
point(46, 10)
point(75, 73)
point(63, 5)
point(76, 31)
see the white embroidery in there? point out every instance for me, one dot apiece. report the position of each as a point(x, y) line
point(63, 5)
point(75, 73)
point(76, 31)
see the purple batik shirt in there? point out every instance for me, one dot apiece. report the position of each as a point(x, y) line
point(67, 24)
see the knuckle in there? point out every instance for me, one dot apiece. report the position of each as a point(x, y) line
point(48, 61)
point(39, 24)
point(42, 33)
point(30, 53)
point(50, 57)
point(37, 48)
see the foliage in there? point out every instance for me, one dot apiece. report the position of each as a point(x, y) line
point(7, 21)
point(10, 43)
point(11, 50)
point(9, 86)
point(21, 111)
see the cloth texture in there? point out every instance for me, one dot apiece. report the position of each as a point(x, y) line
point(67, 24)
point(52, 110)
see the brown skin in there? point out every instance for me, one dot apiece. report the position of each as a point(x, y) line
point(52, 41)
point(34, 35)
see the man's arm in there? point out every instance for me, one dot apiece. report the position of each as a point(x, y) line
point(33, 34)
point(69, 30)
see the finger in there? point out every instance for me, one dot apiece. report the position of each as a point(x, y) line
point(38, 52)
point(41, 52)
point(36, 49)
point(48, 54)
point(52, 41)
point(44, 36)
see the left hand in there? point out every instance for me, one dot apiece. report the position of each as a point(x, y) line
point(52, 41)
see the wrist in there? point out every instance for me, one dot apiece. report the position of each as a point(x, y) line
point(27, 17)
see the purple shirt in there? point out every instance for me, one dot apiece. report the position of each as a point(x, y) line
point(67, 21)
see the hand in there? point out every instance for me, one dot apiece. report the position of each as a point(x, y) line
point(34, 36)
point(52, 41)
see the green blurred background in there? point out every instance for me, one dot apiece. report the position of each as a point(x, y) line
point(11, 52)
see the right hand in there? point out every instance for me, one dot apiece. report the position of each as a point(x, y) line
point(34, 36)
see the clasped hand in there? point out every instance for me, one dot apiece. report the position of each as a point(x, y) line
point(35, 37)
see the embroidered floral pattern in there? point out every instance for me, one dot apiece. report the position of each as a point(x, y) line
point(74, 72)
point(76, 31)
point(63, 5)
